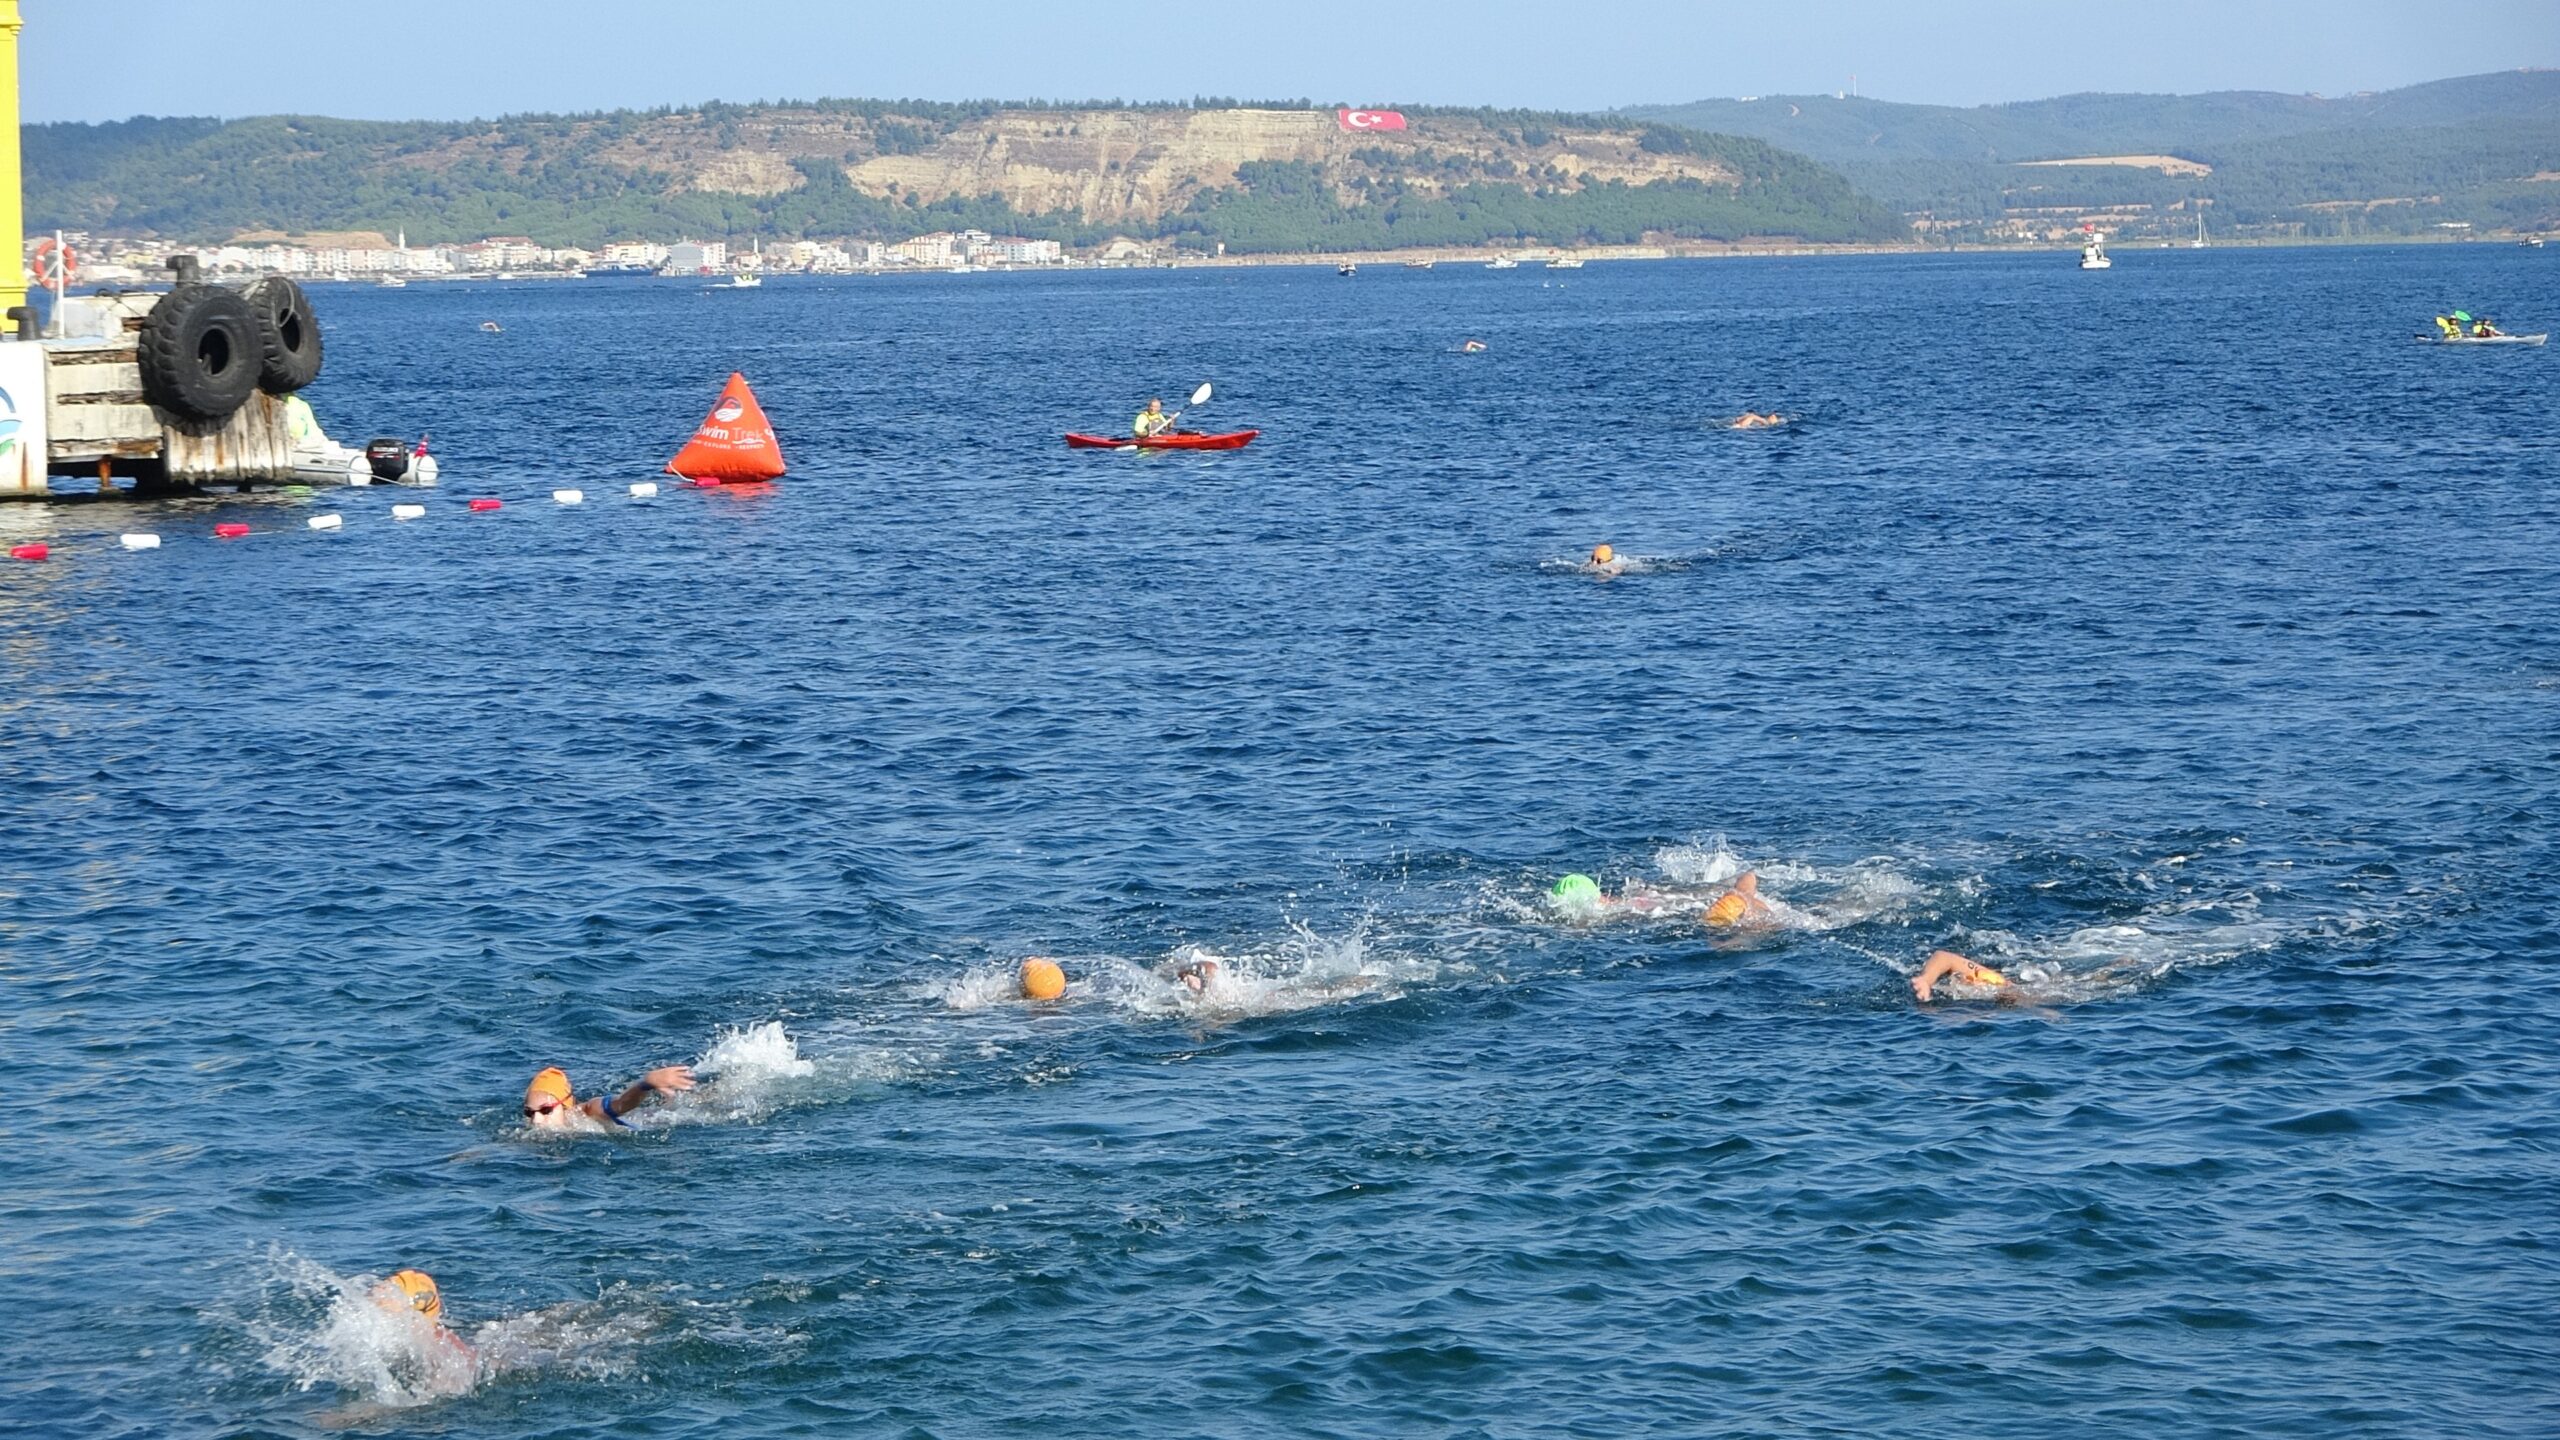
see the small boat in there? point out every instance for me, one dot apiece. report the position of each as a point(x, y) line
point(1565, 262)
point(393, 282)
point(491, 327)
point(2531, 242)
point(1502, 262)
point(2487, 339)
point(743, 280)
point(2093, 256)
point(1419, 264)
point(2198, 242)
point(1346, 268)
point(1172, 440)
point(384, 460)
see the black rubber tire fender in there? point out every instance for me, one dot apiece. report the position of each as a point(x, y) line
point(288, 335)
point(199, 352)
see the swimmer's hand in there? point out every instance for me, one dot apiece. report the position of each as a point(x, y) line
point(669, 1079)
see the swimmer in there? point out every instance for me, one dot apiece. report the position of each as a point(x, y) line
point(414, 1293)
point(1959, 970)
point(1197, 976)
point(1042, 979)
point(549, 1103)
point(1472, 347)
point(1604, 561)
point(1749, 420)
point(1581, 892)
point(1741, 906)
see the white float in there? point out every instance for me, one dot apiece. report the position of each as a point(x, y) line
point(570, 497)
point(139, 540)
point(326, 522)
point(645, 490)
point(408, 512)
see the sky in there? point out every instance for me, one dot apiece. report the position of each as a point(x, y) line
point(458, 59)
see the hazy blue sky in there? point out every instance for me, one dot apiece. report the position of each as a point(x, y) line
point(107, 59)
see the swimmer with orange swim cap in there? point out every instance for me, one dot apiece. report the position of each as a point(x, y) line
point(1956, 969)
point(414, 1293)
point(1042, 979)
point(1741, 907)
point(1604, 561)
point(549, 1103)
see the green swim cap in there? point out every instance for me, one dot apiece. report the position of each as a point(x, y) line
point(1576, 890)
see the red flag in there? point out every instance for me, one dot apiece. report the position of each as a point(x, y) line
point(734, 441)
point(1360, 120)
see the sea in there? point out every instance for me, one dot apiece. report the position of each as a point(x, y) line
point(2182, 640)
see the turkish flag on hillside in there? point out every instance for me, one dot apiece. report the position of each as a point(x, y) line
point(1369, 119)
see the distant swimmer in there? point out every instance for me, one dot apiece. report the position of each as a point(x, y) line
point(1582, 893)
point(1197, 976)
point(1151, 421)
point(1042, 979)
point(1604, 561)
point(413, 1293)
point(1966, 978)
point(1741, 907)
point(1749, 420)
point(1472, 347)
point(549, 1103)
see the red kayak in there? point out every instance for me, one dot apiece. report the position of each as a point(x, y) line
point(1177, 440)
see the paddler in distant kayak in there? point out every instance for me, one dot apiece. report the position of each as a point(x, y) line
point(1151, 421)
point(550, 1104)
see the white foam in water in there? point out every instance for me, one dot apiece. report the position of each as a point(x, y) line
point(752, 1071)
point(408, 512)
point(569, 497)
point(326, 522)
point(644, 489)
point(1301, 973)
point(139, 540)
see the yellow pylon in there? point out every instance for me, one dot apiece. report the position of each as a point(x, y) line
point(13, 238)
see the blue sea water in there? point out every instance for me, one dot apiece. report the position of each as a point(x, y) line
point(2181, 634)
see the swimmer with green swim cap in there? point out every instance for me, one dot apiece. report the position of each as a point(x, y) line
point(1579, 892)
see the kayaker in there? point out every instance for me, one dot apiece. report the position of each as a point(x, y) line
point(2450, 330)
point(2481, 329)
point(1151, 421)
point(549, 1103)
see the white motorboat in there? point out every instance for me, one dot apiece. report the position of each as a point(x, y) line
point(743, 280)
point(1565, 262)
point(393, 282)
point(1502, 262)
point(384, 461)
point(2093, 256)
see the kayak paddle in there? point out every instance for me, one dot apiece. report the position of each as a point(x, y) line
point(1198, 397)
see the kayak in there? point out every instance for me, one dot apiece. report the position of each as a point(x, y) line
point(2487, 339)
point(1175, 440)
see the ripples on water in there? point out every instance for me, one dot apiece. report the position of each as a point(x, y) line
point(2183, 633)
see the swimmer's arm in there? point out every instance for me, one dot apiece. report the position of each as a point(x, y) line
point(665, 1080)
point(1941, 964)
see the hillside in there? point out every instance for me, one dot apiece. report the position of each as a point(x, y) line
point(2393, 161)
point(1253, 178)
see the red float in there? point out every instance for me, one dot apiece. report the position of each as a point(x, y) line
point(485, 503)
point(28, 552)
point(230, 530)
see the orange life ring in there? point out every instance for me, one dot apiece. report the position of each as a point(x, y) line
point(50, 255)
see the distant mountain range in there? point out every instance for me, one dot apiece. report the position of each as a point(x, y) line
point(1254, 178)
point(2482, 149)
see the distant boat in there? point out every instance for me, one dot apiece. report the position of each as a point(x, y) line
point(608, 272)
point(506, 274)
point(393, 282)
point(1419, 264)
point(1346, 268)
point(2093, 256)
point(2198, 242)
point(743, 280)
point(1565, 262)
point(2531, 242)
point(1502, 262)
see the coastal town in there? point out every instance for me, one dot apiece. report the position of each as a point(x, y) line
point(380, 259)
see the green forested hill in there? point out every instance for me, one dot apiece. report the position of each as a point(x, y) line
point(2395, 161)
point(1256, 178)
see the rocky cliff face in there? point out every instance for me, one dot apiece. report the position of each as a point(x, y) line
point(1128, 166)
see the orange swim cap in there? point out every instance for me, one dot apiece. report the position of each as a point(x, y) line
point(1727, 909)
point(1042, 979)
point(415, 1289)
point(1602, 554)
point(549, 1084)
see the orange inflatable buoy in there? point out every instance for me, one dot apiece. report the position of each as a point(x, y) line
point(734, 442)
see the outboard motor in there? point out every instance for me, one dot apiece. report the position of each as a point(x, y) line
point(388, 455)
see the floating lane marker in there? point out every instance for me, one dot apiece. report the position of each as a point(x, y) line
point(486, 503)
point(570, 497)
point(28, 552)
point(408, 512)
point(326, 522)
point(139, 540)
point(645, 490)
point(229, 530)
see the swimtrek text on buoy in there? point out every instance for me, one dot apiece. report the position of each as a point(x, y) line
point(734, 443)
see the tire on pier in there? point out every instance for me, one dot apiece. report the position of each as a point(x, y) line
point(288, 335)
point(199, 352)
